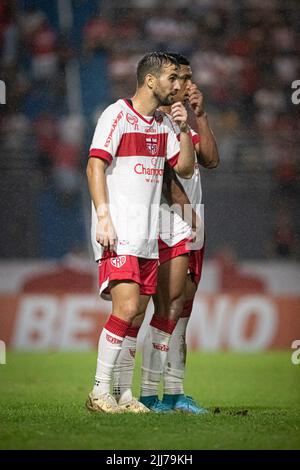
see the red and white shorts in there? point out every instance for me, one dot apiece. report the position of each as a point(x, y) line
point(166, 252)
point(195, 264)
point(130, 268)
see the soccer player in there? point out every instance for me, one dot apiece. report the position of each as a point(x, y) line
point(131, 142)
point(164, 349)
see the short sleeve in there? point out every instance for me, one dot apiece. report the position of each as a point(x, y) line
point(195, 137)
point(107, 134)
point(173, 148)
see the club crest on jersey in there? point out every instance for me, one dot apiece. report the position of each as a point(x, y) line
point(133, 120)
point(152, 146)
point(118, 262)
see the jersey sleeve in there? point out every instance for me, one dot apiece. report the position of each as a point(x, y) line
point(195, 137)
point(173, 147)
point(107, 134)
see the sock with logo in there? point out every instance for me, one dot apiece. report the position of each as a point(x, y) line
point(109, 347)
point(123, 371)
point(176, 358)
point(155, 349)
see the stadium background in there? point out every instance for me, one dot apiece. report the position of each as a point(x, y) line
point(65, 61)
point(62, 63)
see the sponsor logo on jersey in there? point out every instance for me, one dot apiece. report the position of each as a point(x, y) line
point(140, 169)
point(133, 120)
point(161, 347)
point(112, 340)
point(113, 127)
point(150, 130)
point(118, 262)
point(152, 146)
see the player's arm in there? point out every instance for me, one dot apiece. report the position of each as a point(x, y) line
point(206, 149)
point(185, 163)
point(105, 232)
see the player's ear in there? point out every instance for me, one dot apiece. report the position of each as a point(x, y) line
point(150, 81)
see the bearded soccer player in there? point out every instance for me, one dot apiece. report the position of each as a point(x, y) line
point(164, 349)
point(131, 143)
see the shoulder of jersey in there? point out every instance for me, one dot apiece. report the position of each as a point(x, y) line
point(111, 108)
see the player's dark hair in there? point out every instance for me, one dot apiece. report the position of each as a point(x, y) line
point(153, 63)
point(181, 59)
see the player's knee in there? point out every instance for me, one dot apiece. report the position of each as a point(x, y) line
point(130, 309)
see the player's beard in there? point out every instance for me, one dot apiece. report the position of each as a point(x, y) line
point(164, 100)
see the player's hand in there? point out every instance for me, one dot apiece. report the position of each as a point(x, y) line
point(105, 233)
point(196, 100)
point(179, 114)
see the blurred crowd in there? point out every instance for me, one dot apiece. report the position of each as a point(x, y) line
point(245, 56)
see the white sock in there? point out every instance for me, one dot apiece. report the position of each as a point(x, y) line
point(176, 359)
point(155, 349)
point(109, 347)
point(123, 371)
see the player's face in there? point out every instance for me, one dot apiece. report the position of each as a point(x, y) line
point(185, 81)
point(167, 85)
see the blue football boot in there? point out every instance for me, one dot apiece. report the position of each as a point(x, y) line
point(156, 405)
point(183, 403)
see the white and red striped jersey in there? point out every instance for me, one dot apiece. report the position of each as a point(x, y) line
point(179, 228)
point(135, 148)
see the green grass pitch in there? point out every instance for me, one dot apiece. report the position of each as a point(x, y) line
point(253, 402)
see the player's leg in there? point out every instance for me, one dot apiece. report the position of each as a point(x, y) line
point(168, 305)
point(176, 361)
point(124, 367)
point(122, 276)
point(125, 302)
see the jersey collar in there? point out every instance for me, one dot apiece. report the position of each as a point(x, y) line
point(138, 114)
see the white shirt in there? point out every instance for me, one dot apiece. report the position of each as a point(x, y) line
point(135, 148)
point(173, 228)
